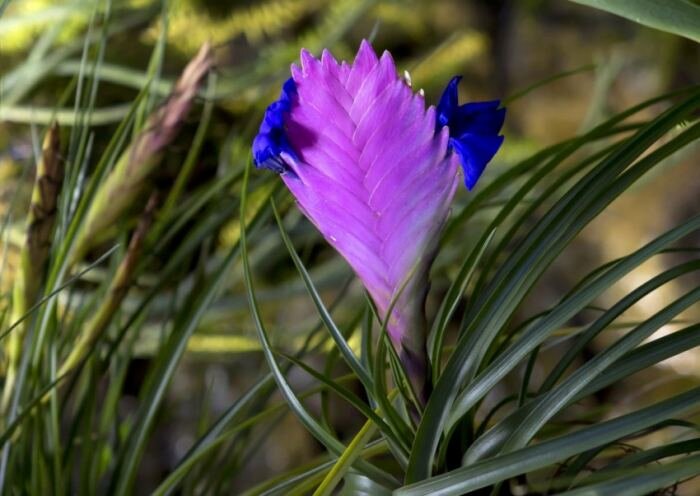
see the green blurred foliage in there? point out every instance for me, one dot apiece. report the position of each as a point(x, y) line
point(182, 346)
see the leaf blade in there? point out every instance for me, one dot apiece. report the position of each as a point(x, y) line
point(679, 17)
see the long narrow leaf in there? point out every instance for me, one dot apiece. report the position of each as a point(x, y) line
point(681, 17)
point(330, 442)
point(503, 467)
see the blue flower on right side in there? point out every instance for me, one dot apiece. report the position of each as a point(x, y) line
point(474, 129)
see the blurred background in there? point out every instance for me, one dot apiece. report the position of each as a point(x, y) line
point(597, 64)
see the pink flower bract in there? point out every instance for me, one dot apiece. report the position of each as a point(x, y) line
point(372, 169)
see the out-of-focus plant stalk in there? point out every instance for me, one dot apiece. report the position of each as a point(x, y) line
point(35, 252)
point(118, 289)
point(128, 180)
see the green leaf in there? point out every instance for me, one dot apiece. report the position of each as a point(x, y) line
point(609, 316)
point(681, 17)
point(498, 434)
point(643, 481)
point(644, 457)
point(343, 464)
point(514, 279)
point(381, 391)
point(451, 300)
point(571, 305)
point(553, 155)
point(543, 82)
point(349, 356)
point(311, 424)
point(193, 153)
point(238, 418)
point(565, 310)
point(645, 356)
point(352, 399)
point(503, 467)
point(162, 372)
point(562, 394)
point(358, 485)
point(310, 477)
point(65, 117)
point(62, 287)
point(576, 473)
point(213, 437)
point(639, 359)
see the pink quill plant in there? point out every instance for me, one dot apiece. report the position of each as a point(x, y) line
point(376, 171)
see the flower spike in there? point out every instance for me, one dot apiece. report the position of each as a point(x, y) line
point(374, 170)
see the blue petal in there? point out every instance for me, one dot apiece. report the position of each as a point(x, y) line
point(289, 90)
point(474, 129)
point(449, 103)
point(271, 139)
point(475, 151)
point(478, 118)
point(266, 153)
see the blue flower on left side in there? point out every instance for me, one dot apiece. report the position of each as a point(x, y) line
point(271, 140)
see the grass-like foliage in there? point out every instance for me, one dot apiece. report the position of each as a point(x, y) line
point(147, 223)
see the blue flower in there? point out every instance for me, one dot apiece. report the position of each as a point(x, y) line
point(272, 140)
point(474, 129)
